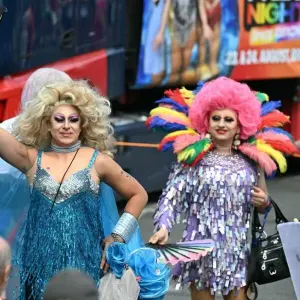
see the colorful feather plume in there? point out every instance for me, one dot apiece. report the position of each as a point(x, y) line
point(275, 154)
point(185, 140)
point(166, 102)
point(191, 152)
point(278, 141)
point(263, 159)
point(172, 137)
point(267, 147)
point(176, 96)
point(274, 119)
point(269, 107)
point(278, 130)
point(172, 116)
point(261, 97)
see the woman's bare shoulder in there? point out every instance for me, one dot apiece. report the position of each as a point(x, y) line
point(101, 159)
point(87, 150)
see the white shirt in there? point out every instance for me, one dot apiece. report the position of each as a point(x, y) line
point(8, 124)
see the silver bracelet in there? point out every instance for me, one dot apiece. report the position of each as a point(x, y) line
point(126, 226)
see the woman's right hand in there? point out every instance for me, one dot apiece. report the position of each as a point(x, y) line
point(160, 237)
point(104, 265)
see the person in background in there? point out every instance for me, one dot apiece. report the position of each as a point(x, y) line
point(36, 81)
point(71, 284)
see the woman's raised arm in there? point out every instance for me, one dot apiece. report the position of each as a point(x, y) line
point(15, 153)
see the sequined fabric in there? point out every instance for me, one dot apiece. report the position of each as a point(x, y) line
point(73, 185)
point(215, 199)
point(68, 234)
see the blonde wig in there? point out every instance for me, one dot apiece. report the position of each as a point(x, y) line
point(32, 127)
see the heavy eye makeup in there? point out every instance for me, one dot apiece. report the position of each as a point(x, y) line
point(229, 119)
point(61, 118)
point(74, 118)
point(217, 118)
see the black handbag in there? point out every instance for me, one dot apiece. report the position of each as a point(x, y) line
point(267, 262)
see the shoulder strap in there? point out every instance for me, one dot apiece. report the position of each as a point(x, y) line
point(91, 163)
point(39, 158)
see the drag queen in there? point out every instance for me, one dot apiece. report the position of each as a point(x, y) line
point(62, 146)
point(225, 140)
point(13, 182)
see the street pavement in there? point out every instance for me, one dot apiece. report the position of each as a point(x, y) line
point(286, 192)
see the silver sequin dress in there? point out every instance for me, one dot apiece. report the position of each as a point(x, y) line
point(215, 199)
point(66, 235)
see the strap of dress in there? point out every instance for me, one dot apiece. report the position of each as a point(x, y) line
point(95, 154)
point(39, 158)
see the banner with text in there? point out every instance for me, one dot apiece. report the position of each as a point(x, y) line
point(269, 43)
point(184, 41)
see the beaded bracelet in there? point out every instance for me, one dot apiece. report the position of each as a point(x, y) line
point(126, 226)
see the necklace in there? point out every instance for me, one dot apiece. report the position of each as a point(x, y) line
point(68, 149)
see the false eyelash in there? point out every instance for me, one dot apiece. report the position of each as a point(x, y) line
point(74, 120)
point(229, 120)
point(59, 120)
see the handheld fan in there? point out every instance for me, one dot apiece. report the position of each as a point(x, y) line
point(183, 251)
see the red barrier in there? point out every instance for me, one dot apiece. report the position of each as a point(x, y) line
point(92, 66)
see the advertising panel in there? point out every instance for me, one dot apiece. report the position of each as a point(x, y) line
point(184, 41)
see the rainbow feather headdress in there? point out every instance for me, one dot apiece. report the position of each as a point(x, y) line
point(267, 147)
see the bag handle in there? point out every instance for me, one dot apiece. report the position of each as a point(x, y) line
point(280, 218)
point(257, 227)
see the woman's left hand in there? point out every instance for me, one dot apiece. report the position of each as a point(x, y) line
point(259, 197)
point(109, 240)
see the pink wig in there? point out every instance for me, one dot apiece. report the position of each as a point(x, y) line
point(225, 93)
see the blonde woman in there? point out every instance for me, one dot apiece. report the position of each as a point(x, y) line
point(62, 147)
point(13, 183)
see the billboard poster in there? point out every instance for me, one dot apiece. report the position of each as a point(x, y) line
point(184, 41)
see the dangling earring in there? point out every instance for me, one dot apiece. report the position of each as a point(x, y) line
point(208, 136)
point(236, 141)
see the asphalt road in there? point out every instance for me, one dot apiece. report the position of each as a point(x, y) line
point(286, 192)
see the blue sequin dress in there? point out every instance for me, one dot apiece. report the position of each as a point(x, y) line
point(67, 234)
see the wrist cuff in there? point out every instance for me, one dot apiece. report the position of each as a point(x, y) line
point(126, 226)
